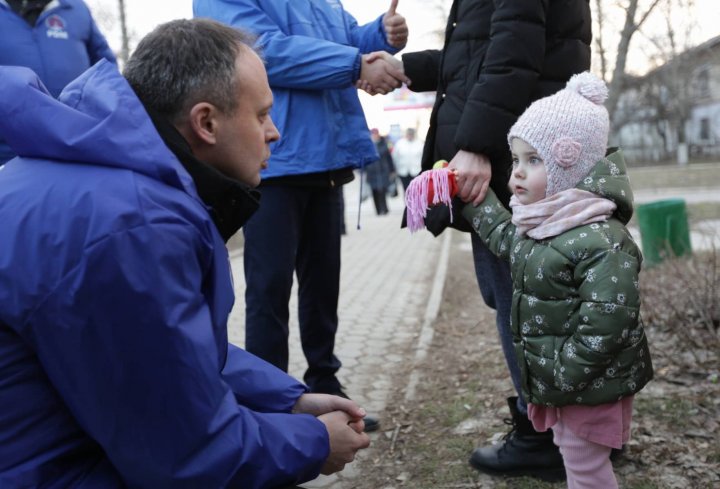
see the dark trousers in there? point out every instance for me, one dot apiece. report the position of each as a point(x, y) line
point(493, 277)
point(405, 180)
point(380, 201)
point(296, 229)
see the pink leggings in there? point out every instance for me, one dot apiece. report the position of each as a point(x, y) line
point(587, 464)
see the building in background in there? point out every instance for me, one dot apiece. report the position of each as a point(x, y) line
point(673, 112)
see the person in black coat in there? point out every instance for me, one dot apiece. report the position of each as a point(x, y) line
point(498, 57)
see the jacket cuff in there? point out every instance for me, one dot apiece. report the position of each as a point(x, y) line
point(357, 65)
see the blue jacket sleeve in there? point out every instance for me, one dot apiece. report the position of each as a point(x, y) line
point(298, 61)
point(98, 47)
point(129, 342)
point(368, 37)
point(260, 385)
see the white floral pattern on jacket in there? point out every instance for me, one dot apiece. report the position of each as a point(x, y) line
point(576, 302)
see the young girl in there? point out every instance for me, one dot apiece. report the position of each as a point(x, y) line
point(575, 315)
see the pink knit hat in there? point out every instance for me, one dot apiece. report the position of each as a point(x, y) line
point(569, 130)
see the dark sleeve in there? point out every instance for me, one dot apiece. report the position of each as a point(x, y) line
point(423, 68)
point(508, 77)
point(389, 162)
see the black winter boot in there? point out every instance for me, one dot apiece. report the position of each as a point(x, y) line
point(523, 452)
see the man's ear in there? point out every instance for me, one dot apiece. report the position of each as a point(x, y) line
point(203, 122)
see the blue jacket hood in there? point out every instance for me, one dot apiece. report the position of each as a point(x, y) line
point(97, 119)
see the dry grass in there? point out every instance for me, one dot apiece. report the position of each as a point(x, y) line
point(681, 298)
point(674, 441)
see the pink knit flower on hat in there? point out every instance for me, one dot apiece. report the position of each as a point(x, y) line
point(566, 152)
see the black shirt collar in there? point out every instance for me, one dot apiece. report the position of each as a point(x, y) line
point(29, 10)
point(231, 202)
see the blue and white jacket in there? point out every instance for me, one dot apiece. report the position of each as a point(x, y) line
point(63, 43)
point(312, 54)
point(115, 289)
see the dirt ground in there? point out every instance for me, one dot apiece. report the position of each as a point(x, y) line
point(461, 402)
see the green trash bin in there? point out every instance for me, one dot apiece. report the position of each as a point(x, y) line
point(664, 230)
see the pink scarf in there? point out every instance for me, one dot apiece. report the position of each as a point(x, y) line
point(556, 214)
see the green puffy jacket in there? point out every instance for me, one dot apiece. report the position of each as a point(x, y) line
point(576, 303)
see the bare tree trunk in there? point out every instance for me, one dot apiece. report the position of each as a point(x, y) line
point(125, 49)
point(599, 42)
point(442, 11)
point(630, 28)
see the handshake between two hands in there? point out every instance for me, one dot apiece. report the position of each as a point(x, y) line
point(380, 71)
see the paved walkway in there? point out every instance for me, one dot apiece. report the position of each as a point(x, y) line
point(391, 285)
point(386, 282)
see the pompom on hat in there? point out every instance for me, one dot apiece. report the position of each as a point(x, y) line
point(569, 130)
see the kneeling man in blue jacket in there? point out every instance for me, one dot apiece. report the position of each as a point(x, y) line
point(115, 286)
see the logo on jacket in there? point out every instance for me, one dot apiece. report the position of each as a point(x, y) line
point(56, 27)
point(335, 4)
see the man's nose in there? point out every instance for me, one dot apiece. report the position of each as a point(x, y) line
point(273, 133)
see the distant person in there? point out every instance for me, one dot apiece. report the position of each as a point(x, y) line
point(576, 327)
point(57, 40)
point(314, 52)
point(115, 289)
point(407, 155)
point(380, 173)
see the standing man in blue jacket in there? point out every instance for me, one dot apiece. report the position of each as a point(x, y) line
point(115, 289)
point(58, 40)
point(314, 52)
